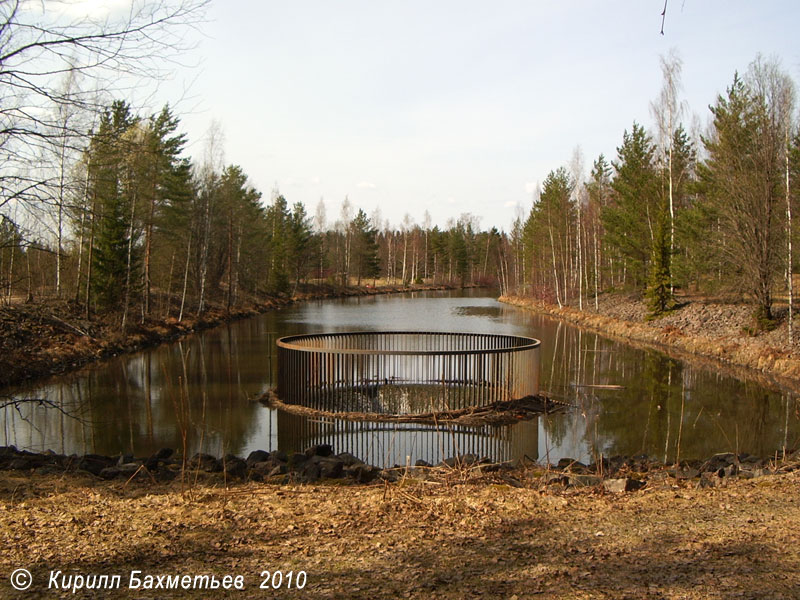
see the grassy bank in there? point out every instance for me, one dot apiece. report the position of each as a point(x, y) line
point(462, 534)
point(48, 337)
point(719, 332)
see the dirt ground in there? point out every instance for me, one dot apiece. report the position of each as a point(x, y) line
point(455, 535)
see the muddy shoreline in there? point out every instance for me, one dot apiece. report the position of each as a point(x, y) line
point(43, 339)
point(714, 334)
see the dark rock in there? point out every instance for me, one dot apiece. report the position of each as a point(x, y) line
point(124, 470)
point(296, 461)
point(164, 454)
point(708, 480)
point(233, 466)
point(569, 463)
point(749, 461)
point(684, 473)
point(24, 463)
point(330, 468)
point(319, 450)
point(109, 472)
point(166, 474)
point(461, 460)
point(555, 478)
point(279, 455)
point(257, 456)
point(493, 467)
point(49, 470)
point(755, 471)
point(363, 473)
point(625, 484)
point(310, 472)
point(94, 463)
point(348, 459)
point(278, 470)
point(390, 475)
point(263, 468)
point(154, 462)
point(720, 461)
point(205, 462)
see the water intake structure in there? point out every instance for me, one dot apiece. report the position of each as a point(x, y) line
point(406, 373)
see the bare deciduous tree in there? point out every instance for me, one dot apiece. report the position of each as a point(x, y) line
point(667, 111)
point(102, 55)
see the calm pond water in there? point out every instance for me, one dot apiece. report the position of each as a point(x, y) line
point(202, 388)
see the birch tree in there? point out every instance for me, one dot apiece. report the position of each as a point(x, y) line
point(744, 177)
point(667, 110)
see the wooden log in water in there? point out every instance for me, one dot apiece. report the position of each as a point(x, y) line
point(497, 413)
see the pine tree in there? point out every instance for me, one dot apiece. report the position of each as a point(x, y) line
point(630, 219)
point(364, 248)
point(163, 176)
point(301, 243)
point(115, 253)
point(277, 223)
point(659, 293)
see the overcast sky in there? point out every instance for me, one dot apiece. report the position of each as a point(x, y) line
point(452, 106)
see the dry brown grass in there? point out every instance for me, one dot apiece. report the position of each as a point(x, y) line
point(462, 534)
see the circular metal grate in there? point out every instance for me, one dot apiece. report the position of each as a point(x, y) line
point(405, 372)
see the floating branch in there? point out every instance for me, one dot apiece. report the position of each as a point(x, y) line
point(498, 413)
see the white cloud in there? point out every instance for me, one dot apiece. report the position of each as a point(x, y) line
point(366, 185)
point(530, 187)
point(315, 180)
point(511, 204)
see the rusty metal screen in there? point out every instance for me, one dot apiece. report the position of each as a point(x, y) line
point(402, 372)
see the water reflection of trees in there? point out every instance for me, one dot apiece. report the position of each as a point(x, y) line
point(134, 404)
point(663, 406)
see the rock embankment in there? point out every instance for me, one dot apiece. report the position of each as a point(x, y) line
point(318, 463)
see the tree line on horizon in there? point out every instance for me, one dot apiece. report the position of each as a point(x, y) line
point(129, 225)
point(713, 214)
point(139, 230)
